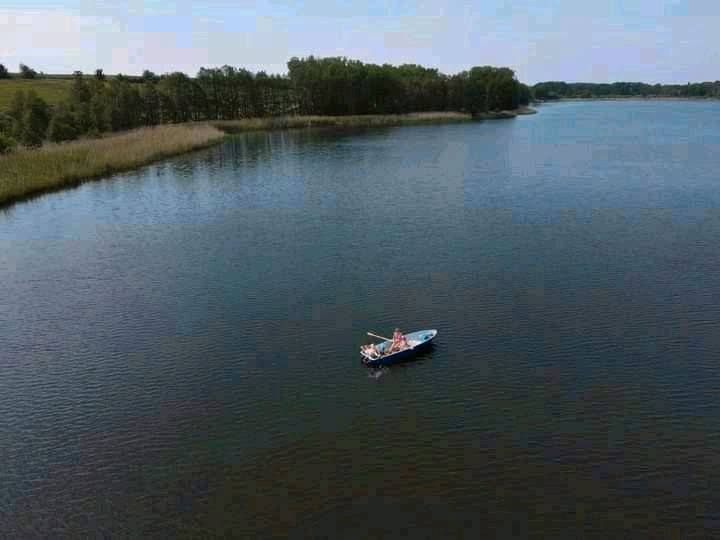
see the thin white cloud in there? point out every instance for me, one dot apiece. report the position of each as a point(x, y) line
point(649, 40)
point(50, 39)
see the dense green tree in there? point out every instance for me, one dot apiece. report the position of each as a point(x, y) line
point(339, 86)
point(7, 143)
point(556, 89)
point(4, 73)
point(36, 119)
point(485, 88)
point(27, 72)
point(17, 105)
point(7, 124)
point(17, 112)
point(323, 86)
point(149, 76)
point(123, 104)
point(63, 126)
point(150, 98)
point(178, 97)
point(79, 106)
point(100, 118)
point(80, 90)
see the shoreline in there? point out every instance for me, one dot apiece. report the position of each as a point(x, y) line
point(630, 98)
point(29, 173)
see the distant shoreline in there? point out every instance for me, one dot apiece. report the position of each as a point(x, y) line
point(364, 120)
point(629, 98)
point(27, 173)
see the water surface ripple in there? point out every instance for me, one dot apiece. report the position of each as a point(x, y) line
point(178, 346)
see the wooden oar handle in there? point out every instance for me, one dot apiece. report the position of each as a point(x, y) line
point(375, 335)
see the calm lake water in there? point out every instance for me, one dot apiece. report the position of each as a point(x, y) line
point(179, 346)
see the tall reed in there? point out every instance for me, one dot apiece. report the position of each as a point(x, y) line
point(26, 172)
point(286, 122)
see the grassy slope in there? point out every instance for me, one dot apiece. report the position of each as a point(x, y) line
point(52, 90)
point(27, 172)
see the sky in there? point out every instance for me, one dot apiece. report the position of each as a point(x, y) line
point(654, 41)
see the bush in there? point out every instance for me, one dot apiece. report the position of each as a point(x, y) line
point(7, 124)
point(7, 143)
point(31, 138)
point(35, 121)
point(63, 126)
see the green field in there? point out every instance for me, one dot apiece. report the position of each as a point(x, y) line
point(52, 90)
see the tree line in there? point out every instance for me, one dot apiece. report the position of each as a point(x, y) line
point(556, 89)
point(338, 86)
point(313, 86)
point(25, 72)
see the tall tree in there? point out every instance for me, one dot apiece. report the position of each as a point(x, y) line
point(7, 124)
point(148, 75)
point(80, 90)
point(150, 98)
point(27, 72)
point(7, 129)
point(63, 126)
point(99, 110)
point(35, 120)
point(17, 105)
point(7, 143)
point(4, 73)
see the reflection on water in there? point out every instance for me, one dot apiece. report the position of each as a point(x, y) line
point(179, 344)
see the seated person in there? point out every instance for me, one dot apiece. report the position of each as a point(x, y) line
point(370, 350)
point(398, 343)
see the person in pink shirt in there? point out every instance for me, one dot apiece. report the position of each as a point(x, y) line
point(399, 342)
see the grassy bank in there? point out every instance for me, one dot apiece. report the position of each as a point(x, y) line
point(25, 173)
point(289, 122)
point(28, 172)
point(499, 115)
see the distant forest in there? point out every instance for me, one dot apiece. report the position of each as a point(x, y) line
point(313, 86)
point(556, 90)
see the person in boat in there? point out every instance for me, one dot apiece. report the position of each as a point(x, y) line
point(399, 342)
point(370, 350)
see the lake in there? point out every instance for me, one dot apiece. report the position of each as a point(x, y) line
point(179, 345)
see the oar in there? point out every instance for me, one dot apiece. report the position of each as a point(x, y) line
point(375, 335)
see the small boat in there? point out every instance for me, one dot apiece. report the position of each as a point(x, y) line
point(416, 340)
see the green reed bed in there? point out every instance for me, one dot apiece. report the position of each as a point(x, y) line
point(27, 172)
point(287, 122)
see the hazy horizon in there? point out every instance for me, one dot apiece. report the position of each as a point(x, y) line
point(665, 42)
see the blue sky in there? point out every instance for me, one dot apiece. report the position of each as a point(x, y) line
point(606, 40)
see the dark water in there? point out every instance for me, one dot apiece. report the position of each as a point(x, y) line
point(178, 346)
